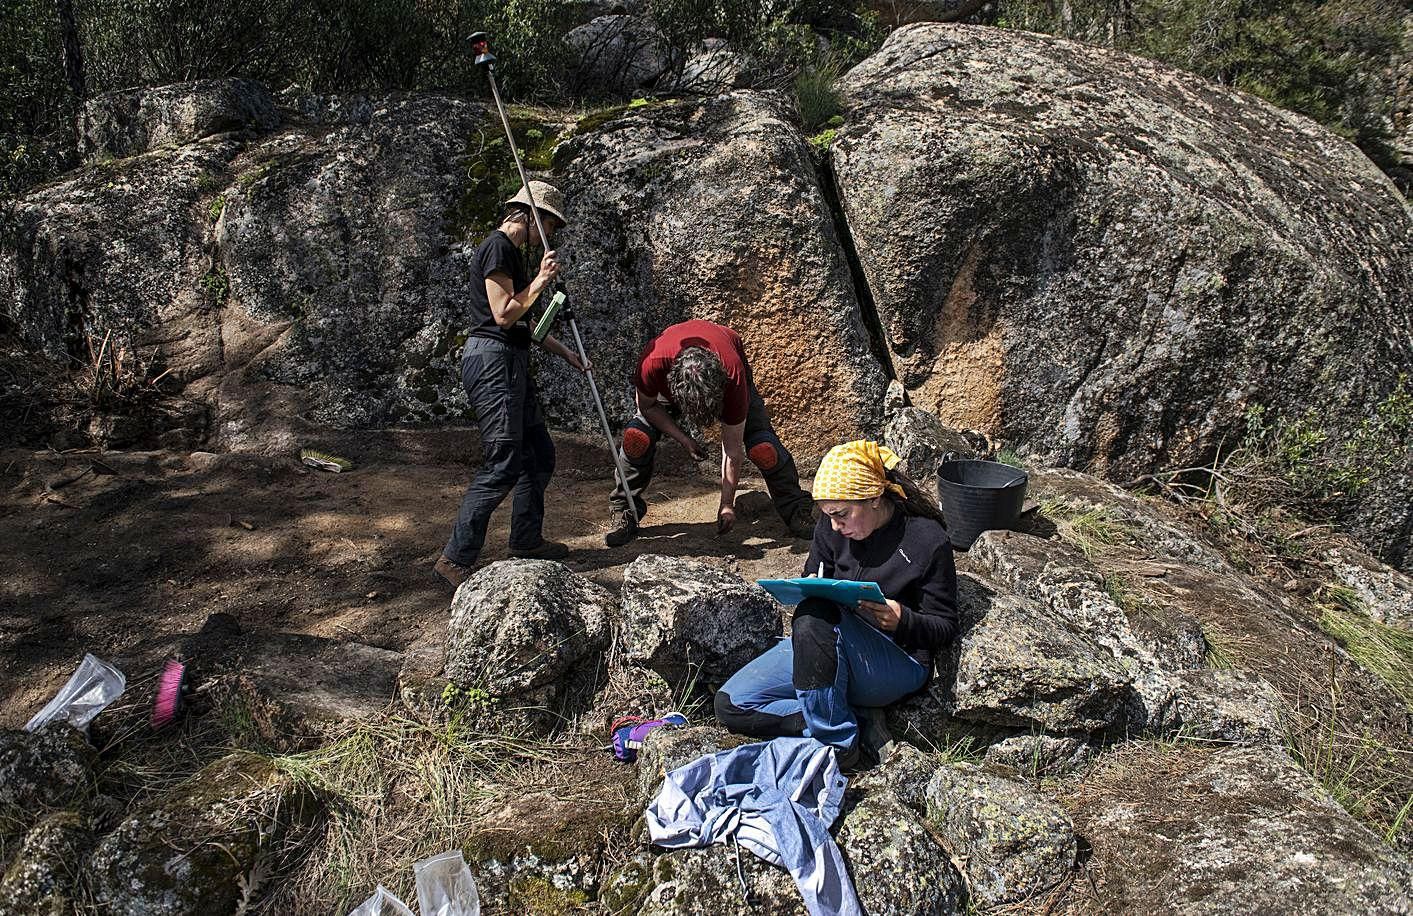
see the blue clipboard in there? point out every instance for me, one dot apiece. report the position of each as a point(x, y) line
point(841, 591)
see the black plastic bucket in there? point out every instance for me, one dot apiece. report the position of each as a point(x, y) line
point(979, 496)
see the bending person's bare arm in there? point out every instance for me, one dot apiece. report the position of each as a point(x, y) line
point(733, 458)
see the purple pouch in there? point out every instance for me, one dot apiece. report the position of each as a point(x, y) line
point(630, 731)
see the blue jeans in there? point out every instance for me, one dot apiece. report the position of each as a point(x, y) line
point(517, 454)
point(811, 683)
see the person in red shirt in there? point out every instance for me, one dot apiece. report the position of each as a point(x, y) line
point(698, 370)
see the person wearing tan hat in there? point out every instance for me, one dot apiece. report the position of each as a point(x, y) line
point(876, 525)
point(517, 454)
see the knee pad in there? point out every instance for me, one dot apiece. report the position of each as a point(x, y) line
point(726, 712)
point(635, 443)
point(814, 646)
point(764, 455)
point(821, 609)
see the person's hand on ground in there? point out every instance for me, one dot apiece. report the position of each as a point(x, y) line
point(725, 519)
point(693, 447)
point(884, 616)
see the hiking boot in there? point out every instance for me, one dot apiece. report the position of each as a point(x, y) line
point(545, 550)
point(874, 737)
point(625, 528)
point(853, 760)
point(454, 573)
point(801, 522)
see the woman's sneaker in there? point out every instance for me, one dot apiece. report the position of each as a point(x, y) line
point(625, 528)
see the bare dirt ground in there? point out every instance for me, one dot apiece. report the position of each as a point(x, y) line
point(124, 554)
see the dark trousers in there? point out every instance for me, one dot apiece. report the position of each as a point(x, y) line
point(763, 447)
point(517, 454)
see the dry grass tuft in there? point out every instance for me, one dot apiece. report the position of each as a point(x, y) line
point(401, 790)
point(1094, 530)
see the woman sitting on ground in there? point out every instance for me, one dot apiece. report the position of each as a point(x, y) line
point(876, 526)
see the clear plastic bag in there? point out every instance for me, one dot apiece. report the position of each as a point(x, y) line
point(93, 686)
point(383, 903)
point(445, 886)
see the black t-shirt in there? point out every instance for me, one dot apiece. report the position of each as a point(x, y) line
point(911, 560)
point(497, 253)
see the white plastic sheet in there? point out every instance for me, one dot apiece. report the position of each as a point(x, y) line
point(383, 903)
point(445, 886)
point(93, 686)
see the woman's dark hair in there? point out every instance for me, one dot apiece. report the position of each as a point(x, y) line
point(915, 501)
point(520, 213)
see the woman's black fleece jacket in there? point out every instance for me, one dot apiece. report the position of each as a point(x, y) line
point(911, 560)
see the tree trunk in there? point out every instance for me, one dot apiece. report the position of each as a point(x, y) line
point(73, 52)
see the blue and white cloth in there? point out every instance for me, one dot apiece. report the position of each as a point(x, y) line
point(776, 798)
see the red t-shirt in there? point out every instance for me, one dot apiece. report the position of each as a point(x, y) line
point(660, 353)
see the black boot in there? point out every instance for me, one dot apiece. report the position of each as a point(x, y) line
point(625, 528)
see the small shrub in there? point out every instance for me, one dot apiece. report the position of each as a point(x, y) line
point(217, 286)
point(816, 98)
point(821, 141)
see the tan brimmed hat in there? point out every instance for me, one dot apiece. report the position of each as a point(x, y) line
point(547, 198)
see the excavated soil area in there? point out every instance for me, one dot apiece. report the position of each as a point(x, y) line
point(125, 554)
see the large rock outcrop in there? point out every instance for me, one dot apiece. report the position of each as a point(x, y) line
point(1232, 830)
point(282, 263)
point(712, 210)
point(297, 261)
point(1112, 262)
point(133, 121)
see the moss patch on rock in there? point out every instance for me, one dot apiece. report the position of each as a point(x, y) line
point(536, 896)
point(490, 170)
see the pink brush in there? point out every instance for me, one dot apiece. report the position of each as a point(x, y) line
point(169, 694)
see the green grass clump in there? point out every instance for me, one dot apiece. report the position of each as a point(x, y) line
point(1093, 530)
point(1010, 457)
point(816, 98)
point(417, 786)
point(1384, 650)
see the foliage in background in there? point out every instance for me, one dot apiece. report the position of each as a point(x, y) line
point(1326, 60)
point(1322, 470)
point(324, 45)
point(35, 105)
point(782, 36)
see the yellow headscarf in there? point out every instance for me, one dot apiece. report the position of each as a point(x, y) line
point(855, 470)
